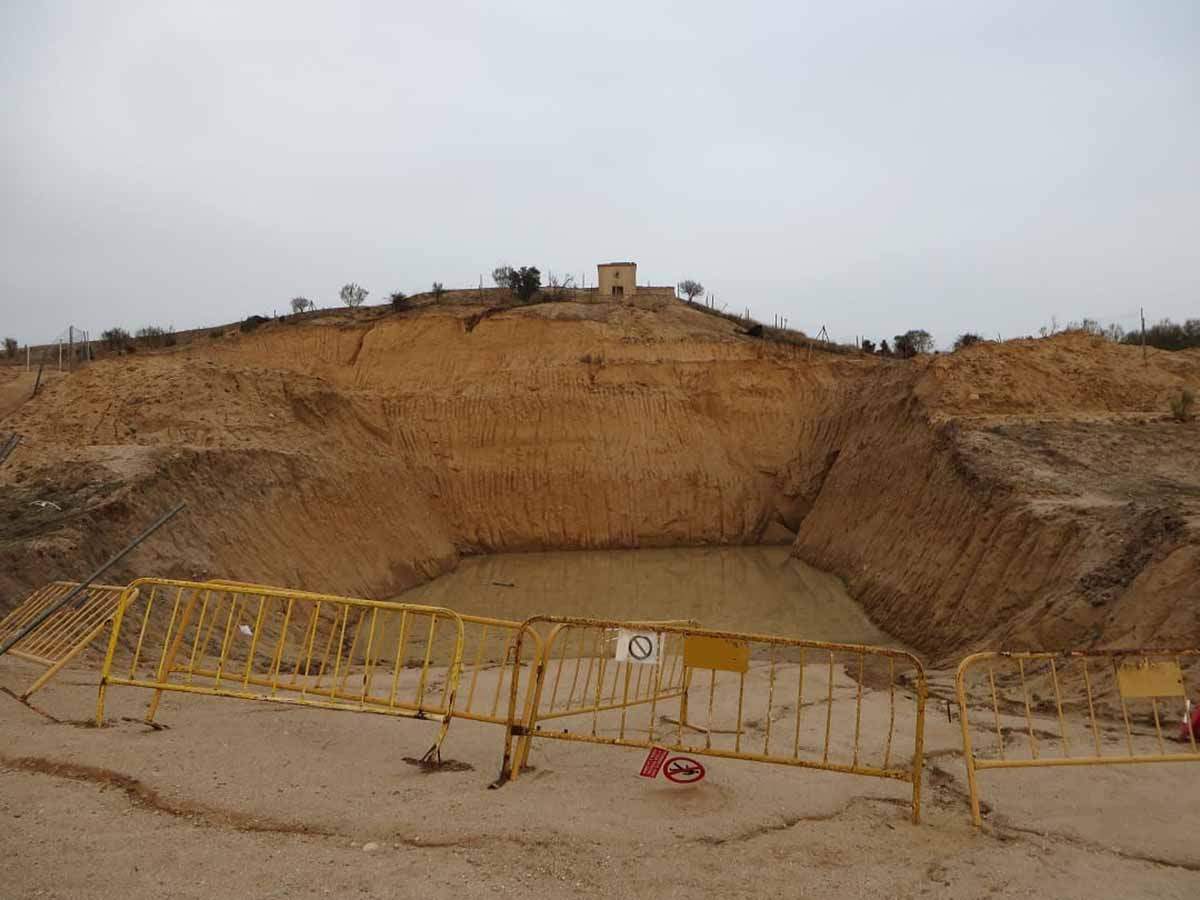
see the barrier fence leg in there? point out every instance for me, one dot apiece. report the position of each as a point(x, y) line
point(168, 663)
point(919, 754)
point(434, 753)
point(521, 751)
point(683, 700)
point(126, 597)
point(525, 741)
point(968, 753)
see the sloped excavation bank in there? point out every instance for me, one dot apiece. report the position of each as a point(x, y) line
point(1032, 493)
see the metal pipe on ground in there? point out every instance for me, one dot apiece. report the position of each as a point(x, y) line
point(9, 446)
point(83, 585)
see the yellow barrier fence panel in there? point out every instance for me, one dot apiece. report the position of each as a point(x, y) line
point(490, 664)
point(65, 634)
point(1076, 708)
point(271, 644)
point(568, 666)
point(732, 695)
point(489, 645)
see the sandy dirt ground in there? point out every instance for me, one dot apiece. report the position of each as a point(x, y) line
point(263, 800)
point(16, 386)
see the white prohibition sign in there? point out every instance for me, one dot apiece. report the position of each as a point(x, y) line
point(638, 646)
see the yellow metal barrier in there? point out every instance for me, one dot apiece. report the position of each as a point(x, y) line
point(1062, 709)
point(258, 643)
point(65, 634)
point(756, 696)
point(489, 646)
point(491, 655)
point(562, 667)
point(490, 663)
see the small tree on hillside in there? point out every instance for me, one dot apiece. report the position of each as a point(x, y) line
point(690, 289)
point(352, 295)
point(561, 286)
point(399, 300)
point(503, 276)
point(300, 304)
point(115, 338)
point(969, 339)
point(884, 349)
point(152, 336)
point(10, 347)
point(526, 281)
point(913, 342)
point(1168, 335)
point(868, 346)
point(1114, 333)
point(437, 290)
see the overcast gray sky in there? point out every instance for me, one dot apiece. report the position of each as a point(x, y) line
point(869, 166)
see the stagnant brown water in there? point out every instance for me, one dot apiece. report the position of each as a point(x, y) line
point(736, 588)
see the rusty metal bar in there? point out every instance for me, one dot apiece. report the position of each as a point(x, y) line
point(887, 752)
point(1087, 682)
point(828, 711)
point(862, 661)
point(1028, 715)
point(86, 583)
point(1062, 724)
point(770, 703)
point(799, 704)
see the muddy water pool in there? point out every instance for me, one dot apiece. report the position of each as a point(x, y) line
point(756, 588)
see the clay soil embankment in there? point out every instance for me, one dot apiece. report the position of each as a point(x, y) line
point(1033, 492)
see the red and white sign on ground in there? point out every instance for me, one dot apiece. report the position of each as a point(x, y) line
point(683, 770)
point(654, 762)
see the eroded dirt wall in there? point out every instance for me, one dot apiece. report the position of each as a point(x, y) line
point(365, 454)
point(1030, 494)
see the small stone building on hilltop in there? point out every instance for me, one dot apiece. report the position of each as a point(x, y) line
point(618, 281)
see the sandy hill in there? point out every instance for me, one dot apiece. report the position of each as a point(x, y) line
point(1028, 492)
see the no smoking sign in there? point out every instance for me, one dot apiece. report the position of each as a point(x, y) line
point(638, 646)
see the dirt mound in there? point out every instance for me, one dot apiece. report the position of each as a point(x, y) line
point(1031, 492)
point(1069, 375)
point(1028, 494)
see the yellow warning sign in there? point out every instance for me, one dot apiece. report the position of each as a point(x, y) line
point(704, 652)
point(1157, 679)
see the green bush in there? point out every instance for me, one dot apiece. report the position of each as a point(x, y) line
point(116, 338)
point(913, 342)
point(1168, 335)
point(252, 322)
point(152, 336)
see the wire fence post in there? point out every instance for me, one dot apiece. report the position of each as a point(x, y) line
point(1142, 310)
